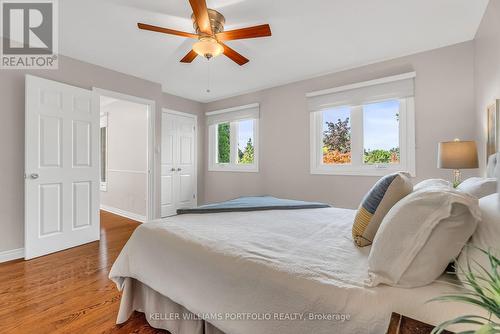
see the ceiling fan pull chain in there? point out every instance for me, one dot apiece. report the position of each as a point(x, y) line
point(208, 76)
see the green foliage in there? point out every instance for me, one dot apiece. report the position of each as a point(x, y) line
point(338, 136)
point(483, 290)
point(246, 157)
point(381, 156)
point(224, 148)
point(377, 156)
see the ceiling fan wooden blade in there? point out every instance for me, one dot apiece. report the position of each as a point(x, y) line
point(250, 32)
point(189, 57)
point(149, 27)
point(234, 56)
point(200, 12)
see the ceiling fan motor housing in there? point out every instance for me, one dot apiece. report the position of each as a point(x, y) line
point(217, 22)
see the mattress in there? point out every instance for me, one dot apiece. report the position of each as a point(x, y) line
point(295, 271)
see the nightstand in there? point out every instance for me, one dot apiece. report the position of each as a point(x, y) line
point(400, 324)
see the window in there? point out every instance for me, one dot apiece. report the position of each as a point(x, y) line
point(233, 144)
point(381, 133)
point(356, 131)
point(104, 152)
point(336, 136)
point(223, 143)
point(246, 150)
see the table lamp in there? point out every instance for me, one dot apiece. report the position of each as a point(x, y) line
point(457, 155)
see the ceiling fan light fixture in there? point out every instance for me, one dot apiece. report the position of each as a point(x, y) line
point(209, 27)
point(208, 47)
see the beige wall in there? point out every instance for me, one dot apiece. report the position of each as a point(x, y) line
point(487, 71)
point(444, 99)
point(127, 157)
point(76, 73)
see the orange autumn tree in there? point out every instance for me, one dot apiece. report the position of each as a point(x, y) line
point(337, 142)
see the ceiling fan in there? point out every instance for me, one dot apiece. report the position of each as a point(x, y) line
point(209, 27)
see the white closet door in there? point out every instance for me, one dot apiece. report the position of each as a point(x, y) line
point(168, 153)
point(61, 167)
point(178, 163)
point(186, 169)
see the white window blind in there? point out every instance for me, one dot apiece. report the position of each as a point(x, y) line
point(250, 111)
point(398, 86)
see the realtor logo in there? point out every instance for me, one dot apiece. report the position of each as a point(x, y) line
point(29, 34)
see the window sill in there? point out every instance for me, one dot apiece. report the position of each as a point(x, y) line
point(359, 171)
point(233, 168)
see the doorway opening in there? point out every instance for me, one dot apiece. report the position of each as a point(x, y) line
point(126, 155)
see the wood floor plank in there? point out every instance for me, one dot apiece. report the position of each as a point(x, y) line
point(69, 291)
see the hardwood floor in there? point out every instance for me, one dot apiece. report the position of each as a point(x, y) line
point(69, 291)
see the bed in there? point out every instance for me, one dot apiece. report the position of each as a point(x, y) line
point(275, 271)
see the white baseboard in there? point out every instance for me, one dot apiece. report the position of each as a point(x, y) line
point(12, 254)
point(123, 213)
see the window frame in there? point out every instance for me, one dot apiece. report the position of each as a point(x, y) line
point(357, 167)
point(233, 165)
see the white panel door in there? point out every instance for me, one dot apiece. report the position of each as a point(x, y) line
point(186, 169)
point(168, 147)
point(61, 167)
point(178, 163)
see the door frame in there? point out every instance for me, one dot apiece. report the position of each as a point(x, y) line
point(151, 156)
point(195, 148)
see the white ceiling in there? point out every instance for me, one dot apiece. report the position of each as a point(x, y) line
point(310, 38)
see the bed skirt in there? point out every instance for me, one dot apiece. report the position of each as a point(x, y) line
point(160, 311)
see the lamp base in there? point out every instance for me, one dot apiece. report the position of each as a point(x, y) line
point(456, 178)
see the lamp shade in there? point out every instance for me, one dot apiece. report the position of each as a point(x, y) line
point(208, 47)
point(457, 155)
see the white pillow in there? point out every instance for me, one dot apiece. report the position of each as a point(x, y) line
point(419, 237)
point(487, 235)
point(433, 183)
point(479, 186)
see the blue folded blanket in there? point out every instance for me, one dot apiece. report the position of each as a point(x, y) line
point(254, 203)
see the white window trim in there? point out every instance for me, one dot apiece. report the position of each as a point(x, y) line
point(232, 166)
point(228, 110)
point(409, 75)
point(406, 144)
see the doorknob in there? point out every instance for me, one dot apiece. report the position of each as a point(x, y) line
point(178, 169)
point(172, 169)
point(34, 176)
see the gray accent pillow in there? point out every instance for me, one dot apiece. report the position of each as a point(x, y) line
point(375, 205)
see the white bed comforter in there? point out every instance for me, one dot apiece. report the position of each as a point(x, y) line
point(292, 266)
